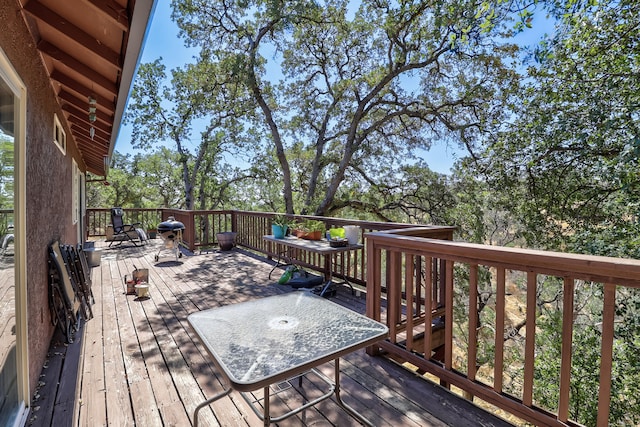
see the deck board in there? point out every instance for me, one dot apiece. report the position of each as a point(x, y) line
point(114, 329)
point(46, 393)
point(142, 365)
point(92, 364)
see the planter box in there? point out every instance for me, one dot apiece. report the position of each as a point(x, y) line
point(311, 235)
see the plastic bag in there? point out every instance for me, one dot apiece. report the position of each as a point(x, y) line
point(290, 272)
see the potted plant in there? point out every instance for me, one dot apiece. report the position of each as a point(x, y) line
point(297, 229)
point(279, 226)
point(313, 230)
point(151, 228)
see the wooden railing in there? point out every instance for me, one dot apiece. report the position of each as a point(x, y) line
point(434, 295)
point(351, 266)
point(97, 219)
point(421, 273)
point(202, 226)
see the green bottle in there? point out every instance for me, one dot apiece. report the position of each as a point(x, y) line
point(285, 277)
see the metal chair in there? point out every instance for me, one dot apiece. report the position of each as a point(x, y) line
point(7, 240)
point(64, 301)
point(124, 232)
point(78, 266)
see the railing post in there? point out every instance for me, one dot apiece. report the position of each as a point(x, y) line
point(234, 221)
point(429, 292)
point(530, 345)
point(374, 286)
point(498, 361)
point(566, 351)
point(191, 227)
point(606, 359)
point(472, 350)
point(448, 319)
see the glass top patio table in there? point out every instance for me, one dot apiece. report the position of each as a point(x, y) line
point(264, 341)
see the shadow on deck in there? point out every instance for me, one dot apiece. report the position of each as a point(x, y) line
point(137, 362)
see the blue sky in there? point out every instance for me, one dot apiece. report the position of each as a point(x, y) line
point(162, 41)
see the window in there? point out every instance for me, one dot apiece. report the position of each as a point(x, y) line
point(14, 371)
point(76, 192)
point(59, 135)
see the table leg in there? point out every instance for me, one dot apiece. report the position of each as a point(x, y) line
point(264, 413)
point(328, 274)
point(355, 414)
point(267, 410)
point(207, 403)
point(325, 288)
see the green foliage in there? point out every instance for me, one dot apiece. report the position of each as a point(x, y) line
point(280, 220)
point(624, 407)
point(334, 87)
point(125, 187)
point(165, 112)
point(159, 173)
point(564, 170)
point(313, 225)
point(571, 151)
point(154, 180)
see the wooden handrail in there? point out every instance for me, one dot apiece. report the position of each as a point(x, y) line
point(390, 251)
point(621, 271)
point(412, 276)
point(202, 226)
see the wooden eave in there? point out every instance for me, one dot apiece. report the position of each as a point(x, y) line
point(90, 48)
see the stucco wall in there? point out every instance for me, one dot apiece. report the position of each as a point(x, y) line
point(48, 182)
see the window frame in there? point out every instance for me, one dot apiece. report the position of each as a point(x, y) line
point(11, 77)
point(75, 191)
point(59, 135)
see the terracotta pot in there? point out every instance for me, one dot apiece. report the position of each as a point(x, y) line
point(312, 235)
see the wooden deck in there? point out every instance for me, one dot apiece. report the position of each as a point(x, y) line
point(137, 363)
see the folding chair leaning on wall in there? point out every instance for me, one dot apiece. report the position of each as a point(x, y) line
point(70, 294)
